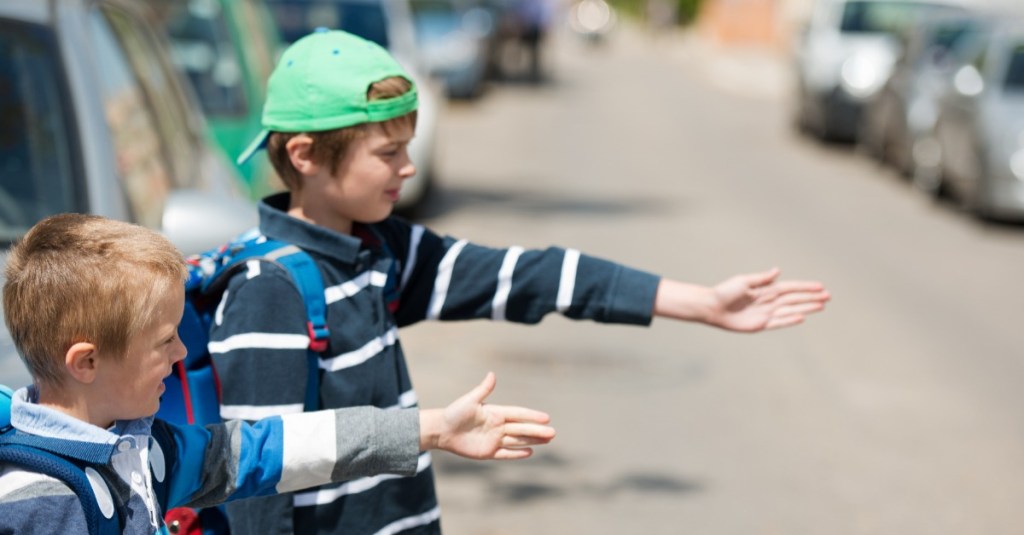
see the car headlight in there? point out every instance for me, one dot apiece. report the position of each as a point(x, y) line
point(1017, 158)
point(863, 74)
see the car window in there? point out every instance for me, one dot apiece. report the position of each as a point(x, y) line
point(296, 18)
point(201, 45)
point(263, 41)
point(144, 171)
point(885, 17)
point(1015, 72)
point(158, 80)
point(39, 168)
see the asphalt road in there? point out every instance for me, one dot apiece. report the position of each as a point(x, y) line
point(896, 411)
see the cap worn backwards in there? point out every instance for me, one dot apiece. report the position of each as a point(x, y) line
point(321, 83)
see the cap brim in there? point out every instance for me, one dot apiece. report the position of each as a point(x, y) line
point(259, 143)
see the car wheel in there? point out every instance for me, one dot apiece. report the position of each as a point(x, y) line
point(927, 175)
point(976, 200)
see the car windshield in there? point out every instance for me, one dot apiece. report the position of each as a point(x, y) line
point(39, 170)
point(1015, 72)
point(885, 17)
point(297, 18)
point(201, 46)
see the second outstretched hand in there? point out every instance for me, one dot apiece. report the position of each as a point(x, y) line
point(743, 303)
point(471, 428)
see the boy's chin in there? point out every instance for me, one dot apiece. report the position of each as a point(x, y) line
point(377, 217)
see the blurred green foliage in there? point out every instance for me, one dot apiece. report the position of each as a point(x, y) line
point(686, 9)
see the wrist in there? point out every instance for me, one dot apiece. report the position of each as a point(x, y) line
point(685, 301)
point(431, 421)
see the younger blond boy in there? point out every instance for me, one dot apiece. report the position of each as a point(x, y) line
point(93, 307)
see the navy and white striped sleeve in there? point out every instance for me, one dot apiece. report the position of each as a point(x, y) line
point(258, 341)
point(449, 279)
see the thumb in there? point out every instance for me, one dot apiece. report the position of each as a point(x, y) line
point(763, 278)
point(484, 389)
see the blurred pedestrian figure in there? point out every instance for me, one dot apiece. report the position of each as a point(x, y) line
point(662, 16)
point(534, 18)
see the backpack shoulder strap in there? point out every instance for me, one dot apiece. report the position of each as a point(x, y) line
point(5, 407)
point(21, 453)
point(307, 278)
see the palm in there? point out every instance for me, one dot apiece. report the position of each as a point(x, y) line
point(751, 303)
point(477, 431)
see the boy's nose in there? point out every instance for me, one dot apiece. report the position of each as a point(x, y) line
point(180, 351)
point(407, 170)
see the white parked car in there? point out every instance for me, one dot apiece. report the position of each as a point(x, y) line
point(980, 127)
point(845, 54)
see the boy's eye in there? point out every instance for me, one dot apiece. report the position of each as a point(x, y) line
point(171, 339)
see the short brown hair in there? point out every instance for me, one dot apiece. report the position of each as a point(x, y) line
point(84, 278)
point(330, 146)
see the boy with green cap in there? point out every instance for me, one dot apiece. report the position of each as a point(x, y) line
point(339, 115)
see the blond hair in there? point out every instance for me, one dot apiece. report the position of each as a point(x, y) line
point(83, 278)
point(331, 146)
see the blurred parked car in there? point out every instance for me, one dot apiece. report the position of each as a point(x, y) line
point(980, 127)
point(389, 24)
point(845, 54)
point(453, 37)
point(227, 49)
point(904, 110)
point(93, 119)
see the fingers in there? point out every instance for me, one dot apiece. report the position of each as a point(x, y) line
point(519, 414)
point(796, 298)
point(521, 442)
point(787, 316)
point(764, 278)
point(505, 454)
point(793, 291)
point(786, 321)
point(516, 430)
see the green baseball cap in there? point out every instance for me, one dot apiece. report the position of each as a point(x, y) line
point(320, 83)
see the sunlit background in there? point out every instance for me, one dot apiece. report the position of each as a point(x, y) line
point(875, 145)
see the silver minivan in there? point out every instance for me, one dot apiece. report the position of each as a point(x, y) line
point(94, 119)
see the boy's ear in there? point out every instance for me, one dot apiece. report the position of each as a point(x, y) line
point(300, 148)
point(81, 361)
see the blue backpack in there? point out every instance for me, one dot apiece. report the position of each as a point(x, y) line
point(66, 463)
point(192, 394)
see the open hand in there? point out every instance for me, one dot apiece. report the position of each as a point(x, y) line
point(473, 429)
point(758, 301)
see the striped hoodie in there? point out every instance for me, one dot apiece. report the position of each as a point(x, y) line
point(383, 277)
point(150, 472)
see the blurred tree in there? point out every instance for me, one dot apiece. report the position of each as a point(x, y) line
point(685, 11)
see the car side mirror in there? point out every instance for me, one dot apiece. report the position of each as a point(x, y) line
point(195, 221)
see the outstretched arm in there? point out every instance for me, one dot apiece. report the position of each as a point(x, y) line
point(743, 303)
point(473, 429)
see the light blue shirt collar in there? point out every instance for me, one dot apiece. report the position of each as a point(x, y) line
point(28, 416)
